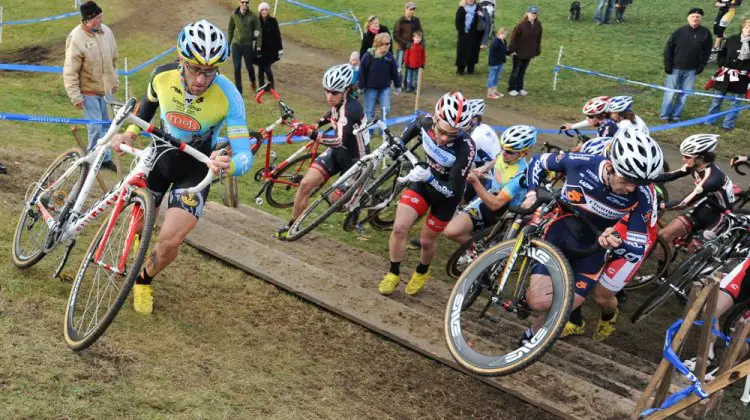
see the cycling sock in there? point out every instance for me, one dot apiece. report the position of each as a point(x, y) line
point(576, 317)
point(608, 317)
point(422, 268)
point(144, 278)
point(395, 268)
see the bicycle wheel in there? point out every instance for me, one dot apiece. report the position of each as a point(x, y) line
point(282, 187)
point(317, 212)
point(374, 193)
point(693, 267)
point(466, 253)
point(108, 271)
point(654, 266)
point(482, 334)
point(30, 239)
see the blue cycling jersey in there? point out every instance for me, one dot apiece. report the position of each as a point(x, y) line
point(585, 190)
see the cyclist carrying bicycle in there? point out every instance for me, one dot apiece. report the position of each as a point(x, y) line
point(195, 102)
point(620, 112)
point(508, 186)
point(449, 152)
point(597, 116)
point(604, 190)
point(345, 147)
point(486, 142)
point(711, 183)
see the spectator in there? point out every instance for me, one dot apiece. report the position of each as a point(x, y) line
point(620, 6)
point(403, 31)
point(468, 18)
point(90, 71)
point(272, 49)
point(244, 29)
point(376, 73)
point(488, 10)
point(525, 44)
point(731, 78)
point(685, 56)
point(373, 28)
point(604, 11)
point(415, 59)
point(354, 62)
point(498, 51)
point(727, 10)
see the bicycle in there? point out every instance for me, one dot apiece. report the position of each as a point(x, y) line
point(733, 243)
point(54, 204)
point(503, 272)
point(742, 197)
point(348, 189)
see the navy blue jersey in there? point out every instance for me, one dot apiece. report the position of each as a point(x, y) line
point(585, 190)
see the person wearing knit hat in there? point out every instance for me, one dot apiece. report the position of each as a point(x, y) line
point(273, 48)
point(685, 56)
point(90, 70)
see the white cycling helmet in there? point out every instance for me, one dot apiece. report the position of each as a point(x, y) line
point(476, 107)
point(636, 155)
point(453, 109)
point(202, 43)
point(620, 104)
point(596, 106)
point(597, 146)
point(338, 78)
point(518, 138)
point(698, 144)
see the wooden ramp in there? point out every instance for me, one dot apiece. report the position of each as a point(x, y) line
point(597, 382)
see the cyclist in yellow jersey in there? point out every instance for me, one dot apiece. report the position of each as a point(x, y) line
point(195, 102)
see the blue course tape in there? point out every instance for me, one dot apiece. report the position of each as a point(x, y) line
point(31, 68)
point(319, 10)
point(650, 85)
point(46, 119)
point(147, 62)
point(44, 19)
point(294, 22)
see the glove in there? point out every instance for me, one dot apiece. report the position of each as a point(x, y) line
point(419, 174)
point(281, 53)
point(668, 70)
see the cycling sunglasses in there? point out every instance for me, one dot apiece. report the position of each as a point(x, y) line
point(332, 92)
point(196, 71)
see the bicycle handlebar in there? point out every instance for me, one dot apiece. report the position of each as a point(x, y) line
point(578, 136)
point(738, 165)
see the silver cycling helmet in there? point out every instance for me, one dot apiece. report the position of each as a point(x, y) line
point(202, 43)
point(636, 155)
point(597, 146)
point(698, 144)
point(620, 104)
point(518, 138)
point(476, 107)
point(338, 78)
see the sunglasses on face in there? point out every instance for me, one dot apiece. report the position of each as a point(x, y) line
point(688, 157)
point(244, 2)
point(440, 132)
point(331, 92)
point(195, 71)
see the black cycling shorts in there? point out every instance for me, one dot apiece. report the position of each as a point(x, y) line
point(703, 217)
point(336, 161)
point(420, 196)
point(175, 172)
point(482, 216)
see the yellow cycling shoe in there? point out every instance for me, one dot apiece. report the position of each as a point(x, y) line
point(143, 299)
point(417, 282)
point(605, 328)
point(389, 284)
point(573, 329)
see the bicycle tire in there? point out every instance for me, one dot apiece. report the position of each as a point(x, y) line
point(26, 261)
point(562, 304)
point(451, 266)
point(74, 338)
point(641, 280)
point(678, 279)
point(363, 174)
point(355, 216)
point(276, 187)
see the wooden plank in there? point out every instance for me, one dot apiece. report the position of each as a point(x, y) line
point(706, 336)
point(557, 392)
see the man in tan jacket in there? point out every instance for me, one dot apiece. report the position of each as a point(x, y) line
point(90, 70)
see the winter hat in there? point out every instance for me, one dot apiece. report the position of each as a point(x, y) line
point(90, 10)
point(697, 10)
point(354, 55)
point(262, 6)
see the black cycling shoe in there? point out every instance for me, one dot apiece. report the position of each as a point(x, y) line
point(280, 234)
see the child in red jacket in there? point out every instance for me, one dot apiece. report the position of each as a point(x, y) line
point(414, 59)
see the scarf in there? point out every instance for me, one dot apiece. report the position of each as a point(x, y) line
point(745, 50)
point(374, 53)
point(373, 30)
point(471, 10)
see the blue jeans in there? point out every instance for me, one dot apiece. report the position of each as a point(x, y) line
point(412, 77)
point(494, 76)
point(729, 119)
point(95, 108)
point(604, 10)
point(400, 61)
point(679, 79)
point(373, 96)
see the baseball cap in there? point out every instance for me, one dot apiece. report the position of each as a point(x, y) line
point(697, 10)
point(411, 5)
point(533, 9)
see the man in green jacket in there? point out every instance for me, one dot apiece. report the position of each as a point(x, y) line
point(244, 28)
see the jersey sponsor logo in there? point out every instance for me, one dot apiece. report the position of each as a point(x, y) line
point(189, 199)
point(441, 156)
point(587, 185)
point(442, 189)
point(575, 156)
point(637, 237)
point(182, 121)
point(575, 195)
point(581, 284)
point(559, 157)
point(603, 210)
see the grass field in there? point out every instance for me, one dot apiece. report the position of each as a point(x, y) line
point(207, 352)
